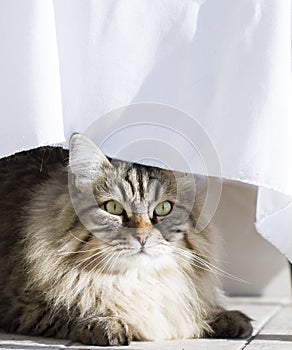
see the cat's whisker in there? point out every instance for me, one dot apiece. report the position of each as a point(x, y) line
point(98, 250)
point(96, 264)
point(114, 260)
point(210, 258)
point(77, 238)
point(191, 254)
point(90, 260)
point(97, 255)
point(218, 270)
point(108, 256)
point(102, 263)
point(101, 251)
point(207, 265)
point(78, 251)
point(105, 262)
point(200, 266)
point(189, 260)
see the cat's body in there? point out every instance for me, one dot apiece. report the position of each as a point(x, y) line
point(126, 276)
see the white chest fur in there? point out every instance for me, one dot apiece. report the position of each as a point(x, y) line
point(159, 305)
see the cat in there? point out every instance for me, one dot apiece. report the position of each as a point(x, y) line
point(125, 263)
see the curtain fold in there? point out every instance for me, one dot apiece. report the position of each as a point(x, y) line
point(227, 64)
point(30, 90)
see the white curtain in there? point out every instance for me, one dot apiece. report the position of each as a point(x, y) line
point(226, 63)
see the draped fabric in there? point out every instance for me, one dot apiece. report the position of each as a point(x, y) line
point(226, 64)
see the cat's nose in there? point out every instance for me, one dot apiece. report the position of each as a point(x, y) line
point(140, 222)
point(142, 238)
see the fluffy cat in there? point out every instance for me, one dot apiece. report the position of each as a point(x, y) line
point(129, 266)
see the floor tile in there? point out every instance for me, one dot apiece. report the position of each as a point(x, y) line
point(16, 341)
point(280, 324)
point(191, 344)
point(272, 345)
point(276, 333)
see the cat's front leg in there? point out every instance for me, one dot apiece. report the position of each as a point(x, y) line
point(102, 331)
point(229, 324)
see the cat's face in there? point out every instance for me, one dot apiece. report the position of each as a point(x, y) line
point(134, 211)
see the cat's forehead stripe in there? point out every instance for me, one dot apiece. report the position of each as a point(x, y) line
point(137, 181)
point(141, 182)
point(128, 178)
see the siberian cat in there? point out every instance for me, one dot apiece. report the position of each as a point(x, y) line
point(129, 266)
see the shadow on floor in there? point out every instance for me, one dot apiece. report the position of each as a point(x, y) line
point(275, 337)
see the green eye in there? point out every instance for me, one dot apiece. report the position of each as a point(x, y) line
point(114, 207)
point(163, 208)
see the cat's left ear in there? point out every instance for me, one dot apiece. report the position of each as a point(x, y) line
point(85, 158)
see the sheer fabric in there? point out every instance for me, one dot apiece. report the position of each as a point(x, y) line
point(226, 63)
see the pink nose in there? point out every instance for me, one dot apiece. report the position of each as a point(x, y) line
point(142, 238)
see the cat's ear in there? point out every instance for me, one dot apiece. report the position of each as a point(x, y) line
point(85, 158)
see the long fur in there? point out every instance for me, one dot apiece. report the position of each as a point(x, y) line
point(65, 261)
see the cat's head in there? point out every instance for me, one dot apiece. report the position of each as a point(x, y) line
point(133, 211)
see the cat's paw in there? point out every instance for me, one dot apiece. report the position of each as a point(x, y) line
point(231, 324)
point(105, 331)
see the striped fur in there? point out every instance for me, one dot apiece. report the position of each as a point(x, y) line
point(69, 269)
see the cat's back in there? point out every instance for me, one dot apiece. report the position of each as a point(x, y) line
point(20, 174)
point(25, 169)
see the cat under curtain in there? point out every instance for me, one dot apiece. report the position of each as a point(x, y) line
point(104, 252)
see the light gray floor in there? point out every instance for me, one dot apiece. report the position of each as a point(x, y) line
point(272, 331)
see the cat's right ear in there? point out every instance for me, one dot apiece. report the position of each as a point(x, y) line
point(85, 158)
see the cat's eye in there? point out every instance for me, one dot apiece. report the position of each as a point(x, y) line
point(163, 208)
point(114, 207)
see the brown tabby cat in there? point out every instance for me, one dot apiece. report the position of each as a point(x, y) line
point(129, 266)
